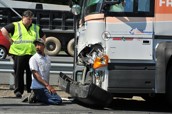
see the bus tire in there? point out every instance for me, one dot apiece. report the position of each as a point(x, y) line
point(70, 47)
point(52, 46)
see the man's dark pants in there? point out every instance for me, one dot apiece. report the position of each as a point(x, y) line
point(21, 63)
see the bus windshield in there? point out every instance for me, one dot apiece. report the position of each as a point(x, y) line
point(128, 6)
point(131, 7)
point(93, 6)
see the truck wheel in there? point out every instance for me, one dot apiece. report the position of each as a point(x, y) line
point(52, 46)
point(169, 86)
point(70, 47)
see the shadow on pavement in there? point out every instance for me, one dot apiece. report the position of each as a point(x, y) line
point(134, 105)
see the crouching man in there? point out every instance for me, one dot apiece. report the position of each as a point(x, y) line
point(40, 66)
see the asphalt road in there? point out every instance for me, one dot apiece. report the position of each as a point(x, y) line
point(15, 106)
point(11, 105)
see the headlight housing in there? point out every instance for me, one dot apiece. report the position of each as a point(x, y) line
point(100, 61)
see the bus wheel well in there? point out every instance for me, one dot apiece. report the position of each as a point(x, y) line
point(169, 65)
point(169, 85)
point(169, 80)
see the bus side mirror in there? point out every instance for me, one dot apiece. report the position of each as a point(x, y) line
point(76, 9)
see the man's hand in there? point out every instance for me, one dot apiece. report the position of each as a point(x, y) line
point(50, 89)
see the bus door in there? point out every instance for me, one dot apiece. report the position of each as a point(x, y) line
point(130, 30)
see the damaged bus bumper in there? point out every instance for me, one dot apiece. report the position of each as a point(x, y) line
point(88, 93)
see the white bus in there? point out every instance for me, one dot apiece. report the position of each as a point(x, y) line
point(125, 46)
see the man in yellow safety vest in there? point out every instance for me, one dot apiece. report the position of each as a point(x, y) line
point(21, 35)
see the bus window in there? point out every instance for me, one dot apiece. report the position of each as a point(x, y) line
point(117, 7)
point(128, 6)
point(123, 6)
point(143, 5)
point(92, 2)
point(93, 6)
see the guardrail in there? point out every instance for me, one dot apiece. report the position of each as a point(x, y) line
point(7, 67)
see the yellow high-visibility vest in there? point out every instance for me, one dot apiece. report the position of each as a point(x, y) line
point(23, 39)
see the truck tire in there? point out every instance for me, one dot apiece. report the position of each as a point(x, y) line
point(70, 47)
point(52, 46)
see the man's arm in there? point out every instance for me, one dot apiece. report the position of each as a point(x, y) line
point(43, 82)
point(44, 37)
point(42, 34)
point(6, 34)
point(6, 30)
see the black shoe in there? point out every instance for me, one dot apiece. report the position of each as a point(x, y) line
point(18, 94)
point(32, 97)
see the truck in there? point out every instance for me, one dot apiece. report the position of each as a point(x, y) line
point(123, 47)
point(56, 22)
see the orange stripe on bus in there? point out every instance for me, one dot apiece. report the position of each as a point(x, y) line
point(94, 17)
point(163, 17)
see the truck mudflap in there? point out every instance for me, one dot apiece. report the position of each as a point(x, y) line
point(86, 93)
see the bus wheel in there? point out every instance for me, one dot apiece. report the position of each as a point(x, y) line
point(169, 85)
point(52, 46)
point(70, 47)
